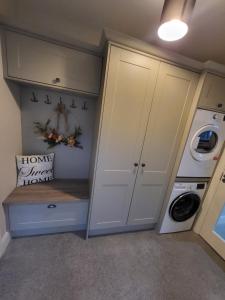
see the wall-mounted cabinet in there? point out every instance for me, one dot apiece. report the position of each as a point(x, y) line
point(145, 108)
point(39, 62)
point(213, 93)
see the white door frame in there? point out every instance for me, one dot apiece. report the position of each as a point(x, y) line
point(210, 192)
point(207, 229)
point(212, 207)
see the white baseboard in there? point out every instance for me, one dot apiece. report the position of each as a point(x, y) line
point(4, 241)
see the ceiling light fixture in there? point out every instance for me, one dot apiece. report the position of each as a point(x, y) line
point(174, 19)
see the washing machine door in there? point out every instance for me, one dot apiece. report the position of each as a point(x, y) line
point(184, 207)
point(206, 143)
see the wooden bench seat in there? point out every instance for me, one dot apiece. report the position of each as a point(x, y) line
point(58, 190)
point(57, 206)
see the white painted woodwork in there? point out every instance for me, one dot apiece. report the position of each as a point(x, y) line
point(127, 101)
point(208, 227)
point(172, 100)
point(41, 62)
point(213, 93)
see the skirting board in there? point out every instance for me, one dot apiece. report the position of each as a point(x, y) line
point(41, 231)
point(122, 229)
point(4, 241)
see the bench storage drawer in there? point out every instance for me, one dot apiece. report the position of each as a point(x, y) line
point(28, 219)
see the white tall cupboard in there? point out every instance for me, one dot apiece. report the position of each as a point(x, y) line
point(144, 110)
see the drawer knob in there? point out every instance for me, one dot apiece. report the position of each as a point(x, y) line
point(56, 80)
point(51, 206)
point(220, 105)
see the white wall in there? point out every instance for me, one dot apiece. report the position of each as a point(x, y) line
point(69, 162)
point(10, 139)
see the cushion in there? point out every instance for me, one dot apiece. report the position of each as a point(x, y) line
point(34, 168)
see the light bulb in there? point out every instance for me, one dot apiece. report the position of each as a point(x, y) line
point(172, 30)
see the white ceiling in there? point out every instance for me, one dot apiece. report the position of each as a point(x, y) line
point(83, 20)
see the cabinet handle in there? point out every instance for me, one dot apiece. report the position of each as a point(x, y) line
point(143, 165)
point(136, 164)
point(51, 206)
point(56, 80)
point(219, 104)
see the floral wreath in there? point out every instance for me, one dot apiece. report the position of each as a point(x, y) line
point(51, 135)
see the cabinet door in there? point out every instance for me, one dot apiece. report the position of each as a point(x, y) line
point(173, 96)
point(213, 93)
point(129, 89)
point(38, 61)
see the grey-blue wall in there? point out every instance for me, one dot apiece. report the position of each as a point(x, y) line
point(69, 162)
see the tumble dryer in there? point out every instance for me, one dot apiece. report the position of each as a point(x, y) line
point(183, 205)
point(203, 145)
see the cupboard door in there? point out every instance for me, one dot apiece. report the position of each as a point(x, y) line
point(128, 95)
point(213, 93)
point(38, 61)
point(213, 227)
point(173, 96)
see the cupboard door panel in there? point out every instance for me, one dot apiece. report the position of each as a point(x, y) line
point(130, 83)
point(213, 93)
point(173, 96)
point(31, 59)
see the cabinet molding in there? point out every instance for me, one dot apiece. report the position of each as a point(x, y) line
point(131, 43)
point(39, 62)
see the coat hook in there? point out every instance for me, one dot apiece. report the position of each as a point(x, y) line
point(47, 101)
point(84, 107)
point(34, 98)
point(73, 105)
point(61, 107)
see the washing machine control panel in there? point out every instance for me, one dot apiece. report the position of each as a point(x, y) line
point(189, 186)
point(200, 186)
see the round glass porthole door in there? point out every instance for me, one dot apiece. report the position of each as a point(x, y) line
point(184, 207)
point(207, 141)
point(204, 143)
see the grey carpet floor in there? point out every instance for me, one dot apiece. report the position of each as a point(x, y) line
point(132, 266)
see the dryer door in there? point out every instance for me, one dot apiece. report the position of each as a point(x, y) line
point(206, 143)
point(184, 207)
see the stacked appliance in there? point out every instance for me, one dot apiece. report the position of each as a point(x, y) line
point(202, 150)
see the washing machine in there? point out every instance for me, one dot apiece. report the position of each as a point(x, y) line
point(203, 145)
point(183, 205)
